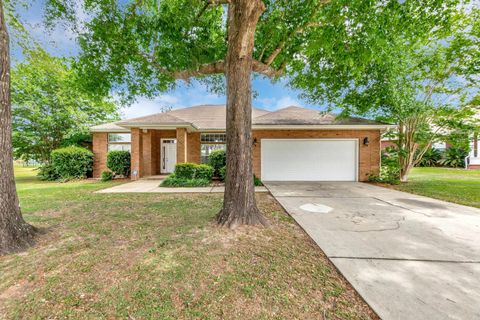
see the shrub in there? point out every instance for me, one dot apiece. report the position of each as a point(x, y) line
point(430, 158)
point(107, 176)
point(223, 173)
point(119, 162)
point(185, 170)
point(217, 160)
point(176, 182)
point(257, 182)
point(390, 169)
point(453, 157)
point(72, 162)
point(47, 173)
point(203, 171)
point(194, 171)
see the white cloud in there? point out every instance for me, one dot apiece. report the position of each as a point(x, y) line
point(275, 104)
point(144, 107)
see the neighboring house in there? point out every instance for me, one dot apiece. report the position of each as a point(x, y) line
point(291, 144)
point(473, 159)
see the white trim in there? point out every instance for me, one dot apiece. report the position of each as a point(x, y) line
point(110, 130)
point(357, 151)
point(324, 127)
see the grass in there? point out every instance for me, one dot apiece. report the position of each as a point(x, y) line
point(161, 256)
point(454, 185)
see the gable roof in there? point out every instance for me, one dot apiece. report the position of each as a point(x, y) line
point(213, 117)
point(300, 116)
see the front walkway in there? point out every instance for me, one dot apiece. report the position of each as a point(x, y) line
point(152, 186)
point(410, 257)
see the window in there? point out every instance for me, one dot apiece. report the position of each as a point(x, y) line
point(211, 142)
point(119, 142)
point(213, 138)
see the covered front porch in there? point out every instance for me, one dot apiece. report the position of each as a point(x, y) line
point(156, 151)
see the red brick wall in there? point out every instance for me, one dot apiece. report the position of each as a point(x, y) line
point(100, 149)
point(193, 147)
point(146, 148)
point(182, 147)
point(369, 156)
point(137, 154)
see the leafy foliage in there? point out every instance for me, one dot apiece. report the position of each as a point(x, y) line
point(217, 160)
point(193, 171)
point(430, 158)
point(453, 157)
point(390, 168)
point(119, 162)
point(257, 182)
point(50, 109)
point(176, 182)
point(72, 162)
point(107, 176)
point(223, 173)
point(47, 172)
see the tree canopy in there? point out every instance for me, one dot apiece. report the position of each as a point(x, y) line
point(50, 108)
point(323, 47)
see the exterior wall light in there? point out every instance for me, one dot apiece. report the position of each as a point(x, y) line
point(366, 141)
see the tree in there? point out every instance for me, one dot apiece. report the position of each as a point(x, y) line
point(15, 233)
point(49, 106)
point(142, 47)
point(419, 80)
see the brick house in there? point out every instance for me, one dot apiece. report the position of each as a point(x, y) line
point(289, 144)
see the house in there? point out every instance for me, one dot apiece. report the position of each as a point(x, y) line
point(290, 144)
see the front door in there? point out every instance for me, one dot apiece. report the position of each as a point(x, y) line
point(168, 155)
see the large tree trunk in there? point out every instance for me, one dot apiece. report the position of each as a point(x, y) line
point(15, 233)
point(239, 207)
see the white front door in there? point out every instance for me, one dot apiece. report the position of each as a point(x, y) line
point(309, 159)
point(168, 155)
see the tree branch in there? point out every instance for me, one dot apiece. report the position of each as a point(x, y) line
point(300, 29)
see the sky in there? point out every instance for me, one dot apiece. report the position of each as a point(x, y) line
point(61, 42)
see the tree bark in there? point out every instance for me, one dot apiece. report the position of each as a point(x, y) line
point(15, 233)
point(239, 207)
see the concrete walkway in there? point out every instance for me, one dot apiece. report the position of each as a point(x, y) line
point(152, 186)
point(410, 257)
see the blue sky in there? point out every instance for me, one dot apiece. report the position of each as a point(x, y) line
point(61, 42)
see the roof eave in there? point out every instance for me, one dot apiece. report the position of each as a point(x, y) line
point(325, 127)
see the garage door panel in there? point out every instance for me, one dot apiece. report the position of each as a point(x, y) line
point(309, 160)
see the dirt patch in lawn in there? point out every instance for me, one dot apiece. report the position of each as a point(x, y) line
point(144, 256)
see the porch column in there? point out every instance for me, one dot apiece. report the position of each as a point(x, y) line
point(147, 153)
point(475, 144)
point(137, 154)
point(181, 145)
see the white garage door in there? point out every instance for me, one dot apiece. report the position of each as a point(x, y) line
point(309, 160)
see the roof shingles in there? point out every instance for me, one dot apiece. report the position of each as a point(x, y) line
point(213, 117)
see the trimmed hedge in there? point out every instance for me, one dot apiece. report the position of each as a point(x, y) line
point(217, 160)
point(119, 162)
point(193, 171)
point(72, 162)
point(176, 182)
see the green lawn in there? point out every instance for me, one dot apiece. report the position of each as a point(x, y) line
point(157, 256)
point(454, 185)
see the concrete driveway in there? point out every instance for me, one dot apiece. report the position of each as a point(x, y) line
point(410, 257)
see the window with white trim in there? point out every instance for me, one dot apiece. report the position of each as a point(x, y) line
point(119, 142)
point(210, 142)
